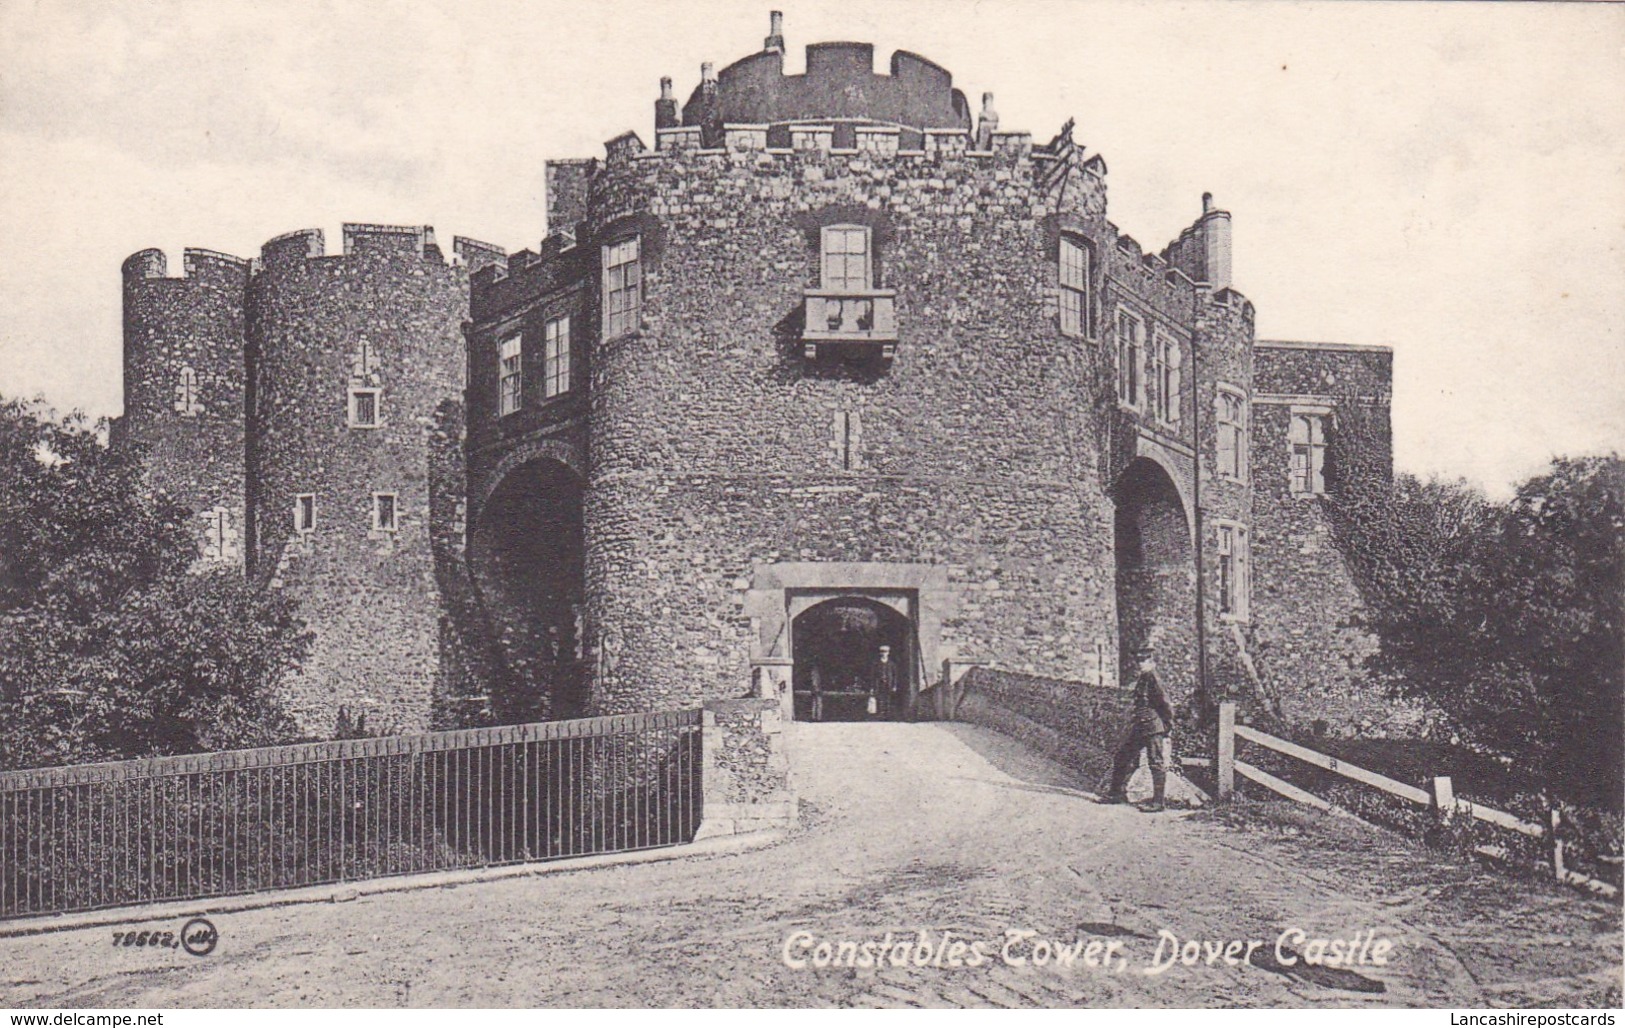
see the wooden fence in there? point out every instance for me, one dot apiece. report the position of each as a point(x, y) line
point(1440, 797)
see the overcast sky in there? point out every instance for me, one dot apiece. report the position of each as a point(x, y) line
point(1443, 179)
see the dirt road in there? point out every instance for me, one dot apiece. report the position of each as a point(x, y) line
point(909, 828)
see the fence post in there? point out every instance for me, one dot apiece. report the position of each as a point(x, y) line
point(1557, 846)
point(1444, 798)
point(1224, 764)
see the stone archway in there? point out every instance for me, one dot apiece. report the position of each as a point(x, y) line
point(853, 660)
point(1156, 577)
point(526, 551)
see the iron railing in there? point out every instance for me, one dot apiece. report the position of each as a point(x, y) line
point(218, 824)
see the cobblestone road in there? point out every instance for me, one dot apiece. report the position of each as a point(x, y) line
point(909, 828)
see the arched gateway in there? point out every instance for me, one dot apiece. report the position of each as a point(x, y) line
point(526, 551)
point(854, 660)
point(1156, 576)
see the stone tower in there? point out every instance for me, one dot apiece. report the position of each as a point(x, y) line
point(184, 388)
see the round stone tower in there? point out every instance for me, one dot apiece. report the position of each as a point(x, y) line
point(829, 395)
point(355, 465)
point(184, 387)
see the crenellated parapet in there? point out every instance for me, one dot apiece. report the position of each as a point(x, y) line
point(839, 84)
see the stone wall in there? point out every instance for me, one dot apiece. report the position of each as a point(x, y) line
point(712, 441)
point(746, 771)
point(1307, 601)
point(1072, 723)
point(385, 314)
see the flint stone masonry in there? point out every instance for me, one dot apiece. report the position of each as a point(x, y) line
point(190, 323)
point(275, 346)
point(1072, 723)
point(967, 468)
point(746, 769)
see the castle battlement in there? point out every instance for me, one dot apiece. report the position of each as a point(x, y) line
point(802, 138)
point(368, 240)
point(153, 263)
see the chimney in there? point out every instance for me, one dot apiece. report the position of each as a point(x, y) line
point(986, 124)
point(666, 106)
point(774, 43)
point(710, 108)
point(1215, 227)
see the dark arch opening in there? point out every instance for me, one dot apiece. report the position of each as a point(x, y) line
point(854, 661)
point(1156, 578)
point(526, 552)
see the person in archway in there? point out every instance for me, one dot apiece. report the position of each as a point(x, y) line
point(885, 685)
point(1150, 719)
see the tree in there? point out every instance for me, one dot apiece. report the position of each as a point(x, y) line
point(113, 642)
point(1506, 618)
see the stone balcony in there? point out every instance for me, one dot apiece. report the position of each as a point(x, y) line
point(858, 322)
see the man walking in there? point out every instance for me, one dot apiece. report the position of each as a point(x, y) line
point(1149, 722)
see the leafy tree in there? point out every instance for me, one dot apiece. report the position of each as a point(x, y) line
point(1507, 618)
point(112, 643)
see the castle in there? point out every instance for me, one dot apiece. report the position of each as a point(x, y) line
point(834, 385)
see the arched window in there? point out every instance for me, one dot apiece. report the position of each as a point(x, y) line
point(1308, 439)
point(1230, 422)
point(623, 287)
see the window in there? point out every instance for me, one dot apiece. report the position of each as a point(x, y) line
point(304, 512)
point(217, 533)
point(1165, 377)
point(365, 364)
point(186, 394)
point(556, 359)
point(383, 512)
point(1308, 437)
point(1233, 571)
point(1074, 281)
point(511, 385)
point(1130, 351)
point(1231, 420)
point(846, 258)
point(623, 287)
point(364, 408)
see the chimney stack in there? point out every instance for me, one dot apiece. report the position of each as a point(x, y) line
point(708, 113)
point(1216, 248)
point(666, 106)
point(986, 124)
point(774, 43)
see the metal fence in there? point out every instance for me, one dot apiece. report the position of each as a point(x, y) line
point(218, 824)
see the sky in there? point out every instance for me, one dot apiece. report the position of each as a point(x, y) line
point(1444, 179)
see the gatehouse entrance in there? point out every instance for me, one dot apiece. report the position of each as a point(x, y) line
point(854, 660)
